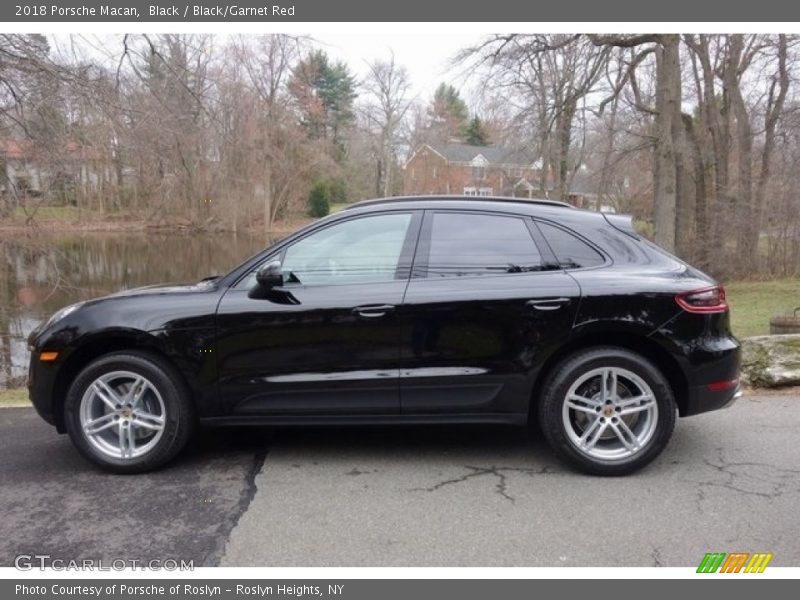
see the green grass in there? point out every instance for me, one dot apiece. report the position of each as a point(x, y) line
point(340, 206)
point(754, 303)
point(55, 213)
point(9, 398)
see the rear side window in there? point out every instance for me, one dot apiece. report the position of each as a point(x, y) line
point(571, 251)
point(477, 244)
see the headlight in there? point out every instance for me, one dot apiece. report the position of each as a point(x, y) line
point(60, 314)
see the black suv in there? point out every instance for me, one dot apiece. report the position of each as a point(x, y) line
point(404, 310)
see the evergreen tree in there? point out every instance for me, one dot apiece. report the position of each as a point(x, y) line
point(449, 113)
point(325, 92)
point(475, 133)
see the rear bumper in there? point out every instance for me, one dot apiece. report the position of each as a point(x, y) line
point(709, 358)
point(701, 399)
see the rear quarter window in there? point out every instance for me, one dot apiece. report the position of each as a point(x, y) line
point(571, 251)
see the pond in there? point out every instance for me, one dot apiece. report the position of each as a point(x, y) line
point(40, 274)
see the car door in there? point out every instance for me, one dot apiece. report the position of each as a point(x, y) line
point(327, 340)
point(483, 307)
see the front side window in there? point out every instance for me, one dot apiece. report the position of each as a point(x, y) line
point(478, 244)
point(362, 250)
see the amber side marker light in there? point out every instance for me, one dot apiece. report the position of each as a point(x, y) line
point(48, 356)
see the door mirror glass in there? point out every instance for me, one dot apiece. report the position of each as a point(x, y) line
point(270, 275)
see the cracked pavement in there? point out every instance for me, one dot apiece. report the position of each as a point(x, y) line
point(437, 496)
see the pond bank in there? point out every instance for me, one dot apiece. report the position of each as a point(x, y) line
point(132, 225)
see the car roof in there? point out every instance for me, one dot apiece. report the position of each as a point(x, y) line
point(459, 202)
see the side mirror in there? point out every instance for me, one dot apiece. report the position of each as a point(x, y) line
point(270, 276)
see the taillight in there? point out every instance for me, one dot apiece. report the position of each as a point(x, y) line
point(704, 301)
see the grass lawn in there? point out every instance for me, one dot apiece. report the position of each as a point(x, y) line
point(753, 303)
point(55, 213)
point(336, 207)
point(10, 398)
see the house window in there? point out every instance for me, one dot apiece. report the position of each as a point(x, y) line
point(413, 175)
point(485, 191)
point(470, 191)
point(434, 172)
point(478, 172)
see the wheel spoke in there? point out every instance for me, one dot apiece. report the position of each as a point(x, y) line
point(580, 407)
point(609, 384)
point(123, 441)
point(632, 443)
point(635, 409)
point(136, 392)
point(95, 426)
point(148, 421)
point(588, 401)
point(589, 437)
point(131, 440)
point(646, 399)
point(106, 394)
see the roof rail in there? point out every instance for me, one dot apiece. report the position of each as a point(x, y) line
point(454, 198)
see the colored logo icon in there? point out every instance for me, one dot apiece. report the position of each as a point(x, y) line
point(735, 562)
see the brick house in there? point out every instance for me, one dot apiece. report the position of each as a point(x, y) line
point(24, 169)
point(452, 168)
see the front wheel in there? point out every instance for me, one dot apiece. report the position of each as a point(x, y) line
point(608, 411)
point(128, 412)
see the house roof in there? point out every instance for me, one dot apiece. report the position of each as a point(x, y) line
point(453, 152)
point(24, 149)
point(583, 183)
point(11, 148)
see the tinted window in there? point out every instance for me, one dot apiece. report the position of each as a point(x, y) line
point(570, 251)
point(475, 244)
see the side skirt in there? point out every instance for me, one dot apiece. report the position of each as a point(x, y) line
point(329, 420)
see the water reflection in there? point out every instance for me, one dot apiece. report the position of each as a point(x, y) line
point(40, 274)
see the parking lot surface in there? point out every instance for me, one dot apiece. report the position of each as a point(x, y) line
point(439, 496)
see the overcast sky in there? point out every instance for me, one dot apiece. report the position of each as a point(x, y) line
point(426, 56)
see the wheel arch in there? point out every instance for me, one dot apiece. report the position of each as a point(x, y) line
point(100, 345)
point(635, 342)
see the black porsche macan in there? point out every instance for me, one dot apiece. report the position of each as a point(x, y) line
point(415, 310)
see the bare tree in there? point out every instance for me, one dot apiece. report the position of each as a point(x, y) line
point(387, 85)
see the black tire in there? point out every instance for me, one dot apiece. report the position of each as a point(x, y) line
point(178, 420)
point(569, 371)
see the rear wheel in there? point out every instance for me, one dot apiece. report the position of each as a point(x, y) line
point(128, 412)
point(608, 411)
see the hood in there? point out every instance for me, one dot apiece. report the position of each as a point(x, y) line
point(167, 288)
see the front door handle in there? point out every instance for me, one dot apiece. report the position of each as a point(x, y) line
point(373, 311)
point(547, 303)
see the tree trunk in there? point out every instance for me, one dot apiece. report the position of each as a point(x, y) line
point(668, 98)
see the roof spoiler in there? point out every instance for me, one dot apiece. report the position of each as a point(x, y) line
point(623, 223)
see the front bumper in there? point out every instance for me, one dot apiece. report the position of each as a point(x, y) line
point(41, 388)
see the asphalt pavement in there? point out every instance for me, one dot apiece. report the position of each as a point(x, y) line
point(437, 496)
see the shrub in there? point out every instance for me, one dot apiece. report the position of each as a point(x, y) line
point(338, 189)
point(319, 200)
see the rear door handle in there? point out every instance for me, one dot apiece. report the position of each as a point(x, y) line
point(373, 311)
point(547, 303)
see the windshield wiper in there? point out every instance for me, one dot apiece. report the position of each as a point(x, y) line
point(545, 266)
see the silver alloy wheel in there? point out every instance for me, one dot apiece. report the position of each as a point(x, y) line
point(122, 414)
point(610, 414)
